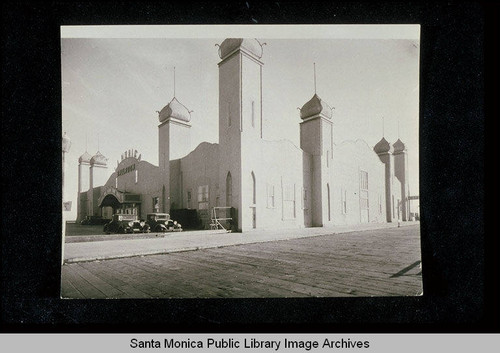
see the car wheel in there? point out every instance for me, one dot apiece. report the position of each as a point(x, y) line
point(106, 230)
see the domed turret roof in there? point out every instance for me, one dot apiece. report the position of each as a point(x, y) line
point(231, 44)
point(175, 110)
point(383, 146)
point(399, 146)
point(316, 106)
point(98, 159)
point(85, 158)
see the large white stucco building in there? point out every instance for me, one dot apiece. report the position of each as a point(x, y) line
point(325, 181)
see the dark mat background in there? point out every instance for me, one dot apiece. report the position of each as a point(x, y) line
point(458, 176)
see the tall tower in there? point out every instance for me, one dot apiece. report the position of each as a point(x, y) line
point(316, 138)
point(240, 127)
point(98, 177)
point(83, 184)
point(174, 142)
point(401, 172)
point(384, 151)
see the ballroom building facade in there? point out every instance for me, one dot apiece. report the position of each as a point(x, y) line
point(269, 184)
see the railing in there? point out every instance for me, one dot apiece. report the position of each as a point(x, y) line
point(221, 214)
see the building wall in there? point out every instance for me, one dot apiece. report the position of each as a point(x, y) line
point(278, 172)
point(83, 185)
point(98, 175)
point(396, 198)
point(124, 179)
point(83, 176)
point(252, 152)
point(352, 158)
point(307, 203)
point(164, 165)
point(199, 169)
point(401, 172)
point(316, 138)
point(229, 129)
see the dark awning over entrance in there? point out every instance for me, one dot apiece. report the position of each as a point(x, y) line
point(113, 197)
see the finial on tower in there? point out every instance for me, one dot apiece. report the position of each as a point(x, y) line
point(174, 81)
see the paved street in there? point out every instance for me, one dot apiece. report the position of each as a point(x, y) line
point(380, 262)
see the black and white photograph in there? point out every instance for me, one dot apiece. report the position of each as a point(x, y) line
point(240, 162)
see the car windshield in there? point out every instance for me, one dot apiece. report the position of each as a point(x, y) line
point(159, 216)
point(126, 217)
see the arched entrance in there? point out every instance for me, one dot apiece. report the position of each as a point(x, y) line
point(109, 205)
point(114, 201)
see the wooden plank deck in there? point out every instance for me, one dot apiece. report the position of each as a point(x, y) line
point(371, 263)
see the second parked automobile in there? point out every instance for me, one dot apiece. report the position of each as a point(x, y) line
point(161, 222)
point(126, 223)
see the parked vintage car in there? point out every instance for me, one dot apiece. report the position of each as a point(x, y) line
point(161, 222)
point(94, 220)
point(126, 223)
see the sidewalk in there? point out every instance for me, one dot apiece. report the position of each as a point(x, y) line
point(105, 247)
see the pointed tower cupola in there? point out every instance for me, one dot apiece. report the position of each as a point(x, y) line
point(314, 107)
point(99, 159)
point(383, 146)
point(175, 110)
point(85, 158)
point(232, 45)
point(399, 146)
point(384, 151)
point(174, 142)
point(316, 138)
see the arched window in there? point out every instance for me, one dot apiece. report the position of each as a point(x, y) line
point(254, 193)
point(229, 190)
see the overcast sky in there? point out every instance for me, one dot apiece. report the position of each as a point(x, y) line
point(112, 88)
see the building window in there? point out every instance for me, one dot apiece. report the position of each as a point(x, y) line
point(393, 206)
point(380, 204)
point(254, 190)
point(304, 199)
point(229, 190)
point(343, 197)
point(289, 201)
point(136, 176)
point(270, 196)
point(156, 204)
point(203, 197)
point(363, 182)
point(329, 208)
point(189, 199)
point(253, 114)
